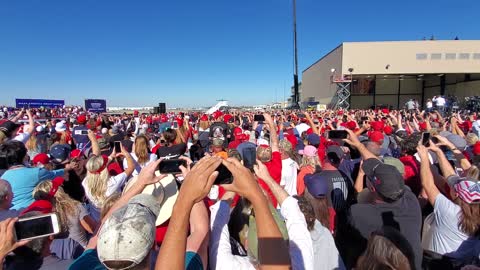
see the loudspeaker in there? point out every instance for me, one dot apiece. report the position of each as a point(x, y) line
point(156, 110)
point(162, 108)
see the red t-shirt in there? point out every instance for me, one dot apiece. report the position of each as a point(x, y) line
point(300, 178)
point(275, 169)
point(155, 148)
point(234, 144)
point(412, 174)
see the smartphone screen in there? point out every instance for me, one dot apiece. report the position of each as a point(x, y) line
point(337, 134)
point(249, 157)
point(84, 132)
point(175, 125)
point(171, 166)
point(364, 118)
point(34, 227)
point(301, 115)
point(224, 176)
point(426, 139)
point(258, 118)
point(118, 147)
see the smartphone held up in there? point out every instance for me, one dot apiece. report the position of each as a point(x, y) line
point(37, 227)
point(168, 166)
point(118, 146)
point(426, 139)
point(337, 134)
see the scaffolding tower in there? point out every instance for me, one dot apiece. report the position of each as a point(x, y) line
point(342, 94)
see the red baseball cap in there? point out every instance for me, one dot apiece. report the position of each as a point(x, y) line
point(351, 125)
point(292, 139)
point(388, 130)
point(376, 136)
point(237, 131)
point(81, 119)
point(75, 153)
point(41, 158)
point(377, 125)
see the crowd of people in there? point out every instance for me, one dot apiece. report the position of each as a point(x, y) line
point(343, 189)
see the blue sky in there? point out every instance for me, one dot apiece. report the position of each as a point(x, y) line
point(190, 52)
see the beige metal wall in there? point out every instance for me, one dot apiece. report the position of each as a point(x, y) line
point(316, 80)
point(369, 58)
point(373, 57)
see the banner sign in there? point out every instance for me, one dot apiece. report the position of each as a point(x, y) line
point(96, 105)
point(37, 103)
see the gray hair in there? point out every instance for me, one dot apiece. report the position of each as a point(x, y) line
point(4, 188)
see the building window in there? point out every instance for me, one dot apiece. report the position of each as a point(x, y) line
point(436, 56)
point(421, 56)
point(450, 56)
point(476, 56)
point(464, 56)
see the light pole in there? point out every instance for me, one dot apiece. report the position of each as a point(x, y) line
point(296, 97)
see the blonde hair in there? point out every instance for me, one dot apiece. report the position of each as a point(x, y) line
point(63, 137)
point(31, 144)
point(471, 138)
point(3, 137)
point(473, 173)
point(96, 184)
point(64, 205)
point(204, 125)
point(181, 132)
point(108, 203)
point(141, 149)
point(310, 161)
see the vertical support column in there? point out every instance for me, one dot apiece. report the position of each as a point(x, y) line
point(374, 91)
point(442, 85)
point(423, 94)
point(398, 93)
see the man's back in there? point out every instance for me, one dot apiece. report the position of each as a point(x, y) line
point(340, 189)
point(363, 219)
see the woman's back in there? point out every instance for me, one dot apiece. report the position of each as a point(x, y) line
point(325, 252)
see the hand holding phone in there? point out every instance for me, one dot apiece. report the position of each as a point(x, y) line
point(118, 147)
point(258, 118)
point(171, 166)
point(426, 139)
point(8, 241)
point(337, 134)
point(224, 175)
point(37, 226)
point(198, 182)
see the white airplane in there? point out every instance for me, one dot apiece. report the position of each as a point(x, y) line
point(219, 106)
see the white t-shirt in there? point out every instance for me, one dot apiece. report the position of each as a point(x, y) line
point(22, 137)
point(289, 176)
point(138, 166)
point(325, 253)
point(440, 101)
point(446, 236)
point(429, 104)
point(114, 185)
